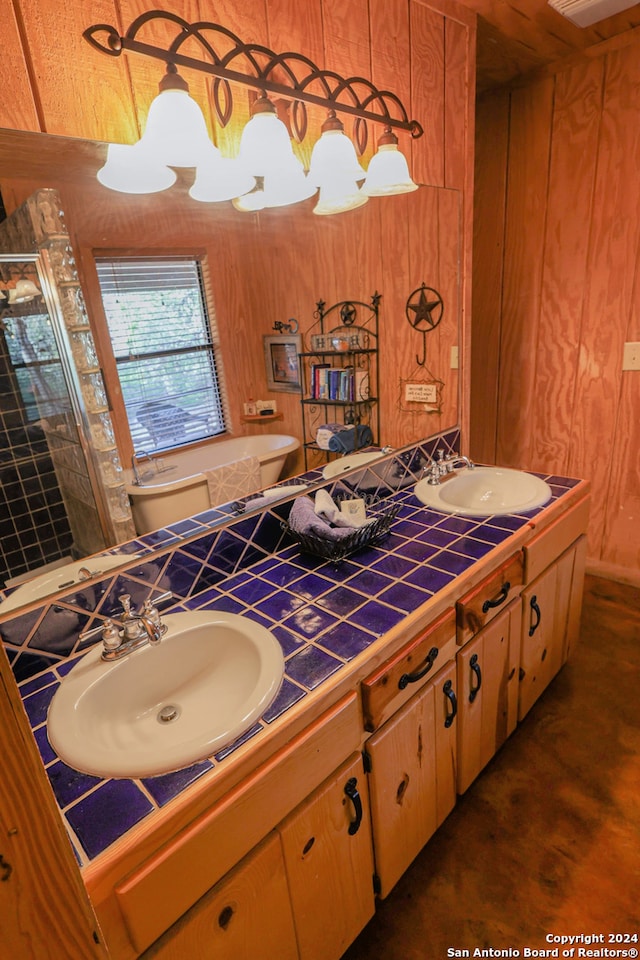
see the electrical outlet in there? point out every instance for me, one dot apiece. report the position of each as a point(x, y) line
point(631, 356)
point(454, 358)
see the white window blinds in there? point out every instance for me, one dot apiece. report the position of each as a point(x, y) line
point(165, 358)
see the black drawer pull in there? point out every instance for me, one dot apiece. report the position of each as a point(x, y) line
point(408, 678)
point(533, 603)
point(449, 693)
point(475, 667)
point(499, 600)
point(351, 790)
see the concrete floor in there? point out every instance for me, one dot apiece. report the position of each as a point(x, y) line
point(547, 839)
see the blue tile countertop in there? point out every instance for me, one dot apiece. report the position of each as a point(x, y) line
point(324, 615)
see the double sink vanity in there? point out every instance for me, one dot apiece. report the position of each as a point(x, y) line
point(331, 725)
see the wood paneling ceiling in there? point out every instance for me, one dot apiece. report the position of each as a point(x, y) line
point(518, 36)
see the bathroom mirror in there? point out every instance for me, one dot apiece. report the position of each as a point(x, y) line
point(271, 266)
point(50, 502)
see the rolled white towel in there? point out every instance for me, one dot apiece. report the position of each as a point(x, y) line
point(330, 511)
point(303, 519)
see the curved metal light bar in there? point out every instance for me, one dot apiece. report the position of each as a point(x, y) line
point(355, 96)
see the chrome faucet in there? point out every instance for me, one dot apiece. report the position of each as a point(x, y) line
point(122, 635)
point(136, 457)
point(453, 462)
point(444, 466)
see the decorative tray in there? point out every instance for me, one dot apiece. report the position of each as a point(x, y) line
point(373, 531)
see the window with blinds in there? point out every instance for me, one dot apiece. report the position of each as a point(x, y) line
point(165, 358)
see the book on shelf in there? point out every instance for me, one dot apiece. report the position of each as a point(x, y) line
point(318, 380)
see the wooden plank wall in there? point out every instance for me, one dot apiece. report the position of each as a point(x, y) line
point(423, 51)
point(557, 287)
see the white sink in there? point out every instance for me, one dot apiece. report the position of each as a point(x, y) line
point(484, 491)
point(60, 578)
point(213, 674)
point(349, 462)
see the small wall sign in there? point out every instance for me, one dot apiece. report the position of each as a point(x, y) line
point(418, 397)
point(420, 392)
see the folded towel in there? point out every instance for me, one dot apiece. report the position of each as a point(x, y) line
point(304, 519)
point(325, 432)
point(231, 480)
point(349, 439)
point(329, 511)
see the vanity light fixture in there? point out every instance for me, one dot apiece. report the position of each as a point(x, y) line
point(266, 151)
point(335, 169)
point(23, 292)
point(130, 169)
point(388, 171)
point(219, 178)
point(334, 155)
point(339, 194)
point(267, 172)
point(176, 132)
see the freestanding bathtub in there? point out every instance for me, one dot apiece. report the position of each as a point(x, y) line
point(180, 488)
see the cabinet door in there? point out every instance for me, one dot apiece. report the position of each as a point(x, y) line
point(551, 607)
point(329, 862)
point(245, 916)
point(488, 691)
point(412, 778)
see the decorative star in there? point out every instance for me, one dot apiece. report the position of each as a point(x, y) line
point(423, 309)
point(347, 314)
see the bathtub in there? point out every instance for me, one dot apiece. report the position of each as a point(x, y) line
point(180, 489)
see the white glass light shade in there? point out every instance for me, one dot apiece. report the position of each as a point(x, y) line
point(278, 190)
point(176, 133)
point(388, 173)
point(265, 145)
point(219, 178)
point(338, 196)
point(130, 169)
point(334, 155)
point(288, 186)
point(24, 291)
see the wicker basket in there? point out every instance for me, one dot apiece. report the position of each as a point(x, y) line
point(373, 531)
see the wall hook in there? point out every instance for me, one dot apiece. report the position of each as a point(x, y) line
point(424, 311)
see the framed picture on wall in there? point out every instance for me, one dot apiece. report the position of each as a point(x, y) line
point(281, 361)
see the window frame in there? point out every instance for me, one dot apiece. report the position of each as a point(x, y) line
point(104, 348)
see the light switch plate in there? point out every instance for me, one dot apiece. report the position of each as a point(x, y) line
point(631, 356)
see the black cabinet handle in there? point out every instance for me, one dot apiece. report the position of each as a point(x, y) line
point(449, 693)
point(351, 790)
point(408, 678)
point(500, 599)
point(475, 667)
point(533, 603)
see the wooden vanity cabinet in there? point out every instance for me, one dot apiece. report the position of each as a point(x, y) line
point(328, 860)
point(284, 864)
point(412, 776)
point(174, 886)
point(304, 893)
point(489, 625)
point(246, 915)
point(550, 624)
point(487, 670)
point(410, 703)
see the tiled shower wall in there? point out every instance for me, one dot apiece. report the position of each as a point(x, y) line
point(33, 522)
